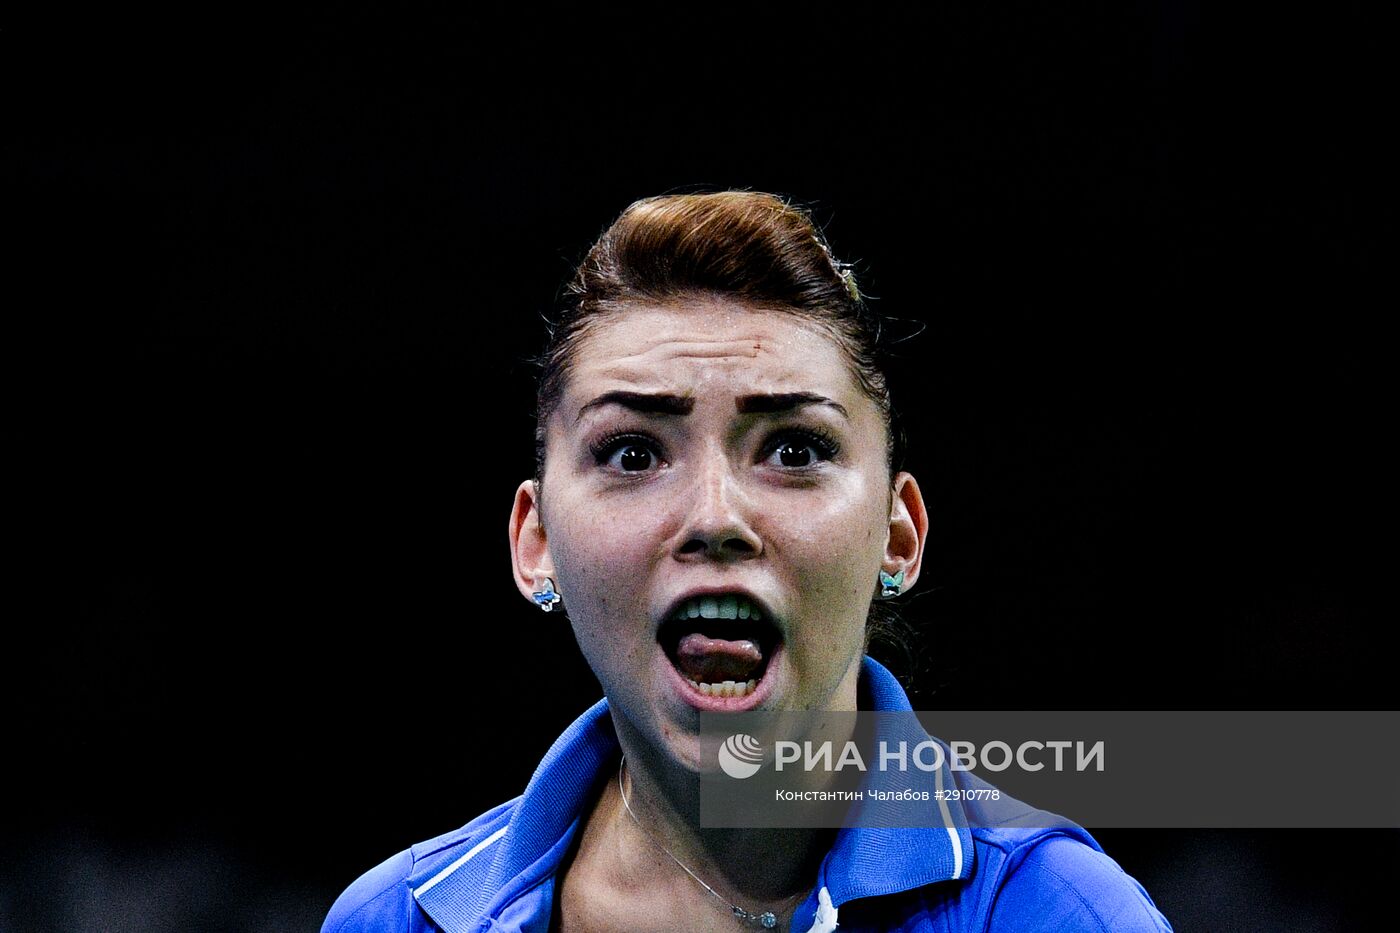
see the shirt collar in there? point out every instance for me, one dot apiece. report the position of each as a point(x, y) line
point(862, 862)
point(866, 861)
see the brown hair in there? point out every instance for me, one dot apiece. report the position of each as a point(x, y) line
point(747, 246)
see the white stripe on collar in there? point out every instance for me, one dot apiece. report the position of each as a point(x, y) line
point(948, 825)
point(825, 919)
point(428, 885)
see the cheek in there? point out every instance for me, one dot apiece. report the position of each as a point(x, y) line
point(836, 554)
point(846, 531)
point(603, 565)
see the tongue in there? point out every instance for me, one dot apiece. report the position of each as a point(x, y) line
point(714, 660)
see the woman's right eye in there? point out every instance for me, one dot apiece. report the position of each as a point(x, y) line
point(627, 454)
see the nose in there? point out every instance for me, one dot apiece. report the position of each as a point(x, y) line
point(718, 512)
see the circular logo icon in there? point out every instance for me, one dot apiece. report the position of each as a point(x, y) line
point(741, 756)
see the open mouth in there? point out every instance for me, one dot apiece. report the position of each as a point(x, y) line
point(721, 643)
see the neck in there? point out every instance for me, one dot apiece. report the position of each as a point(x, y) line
point(758, 869)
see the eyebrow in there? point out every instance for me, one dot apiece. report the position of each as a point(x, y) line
point(662, 404)
point(786, 401)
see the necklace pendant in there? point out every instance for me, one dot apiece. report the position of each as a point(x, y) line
point(768, 920)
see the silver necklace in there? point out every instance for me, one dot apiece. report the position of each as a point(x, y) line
point(768, 920)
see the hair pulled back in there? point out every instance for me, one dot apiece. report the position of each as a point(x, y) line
point(745, 246)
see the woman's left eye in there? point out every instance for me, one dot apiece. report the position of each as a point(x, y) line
point(795, 451)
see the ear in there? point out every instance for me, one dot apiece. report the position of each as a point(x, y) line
point(904, 550)
point(529, 545)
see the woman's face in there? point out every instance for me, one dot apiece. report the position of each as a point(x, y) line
point(710, 463)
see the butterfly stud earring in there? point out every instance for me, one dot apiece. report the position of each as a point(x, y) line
point(545, 597)
point(891, 585)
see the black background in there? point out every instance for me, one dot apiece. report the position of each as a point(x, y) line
point(273, 282)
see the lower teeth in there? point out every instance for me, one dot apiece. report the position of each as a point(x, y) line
point(728, 688)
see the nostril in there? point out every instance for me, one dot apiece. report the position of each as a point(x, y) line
point(735, 544)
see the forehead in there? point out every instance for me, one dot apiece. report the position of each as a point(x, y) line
point(692, 346)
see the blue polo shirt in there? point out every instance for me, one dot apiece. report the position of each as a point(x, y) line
point(1012, 869)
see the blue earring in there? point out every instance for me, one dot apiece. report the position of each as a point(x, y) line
point(891, 585)
point(546, 598)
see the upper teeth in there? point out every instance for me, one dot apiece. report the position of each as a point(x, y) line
point(718, 607)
